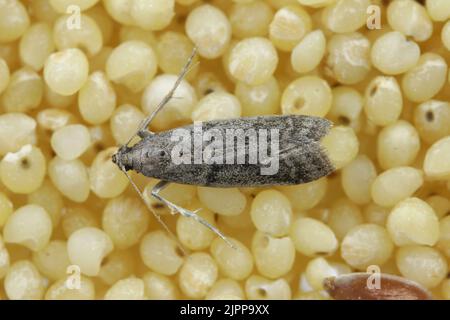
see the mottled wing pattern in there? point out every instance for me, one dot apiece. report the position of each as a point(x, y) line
point(301, 158)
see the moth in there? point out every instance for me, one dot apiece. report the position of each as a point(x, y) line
point(244, 152)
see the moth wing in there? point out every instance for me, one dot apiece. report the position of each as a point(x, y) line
point(306, 127)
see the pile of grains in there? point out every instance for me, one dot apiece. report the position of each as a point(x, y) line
point(78, 76)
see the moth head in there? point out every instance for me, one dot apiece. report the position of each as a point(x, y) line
point(121, 159)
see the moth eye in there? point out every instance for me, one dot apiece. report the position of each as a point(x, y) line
point(162, 153)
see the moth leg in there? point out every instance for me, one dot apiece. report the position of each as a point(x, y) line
point(156, 215)
point(144, 133)
point(184, 212)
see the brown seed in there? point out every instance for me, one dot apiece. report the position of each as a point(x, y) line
point(355, 286)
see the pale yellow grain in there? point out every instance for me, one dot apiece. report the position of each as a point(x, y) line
point(410, 18)
point(317, 270)
point(6, 208)
point(61, 291)
point(14, 20)
point(23, 171)
point(97, 99)
point(53, 260)
point(4, 259)
point(309, 52)
point(252, 60)
point(177, 111)
point(250, 19)
point(87, 247)
point(343, 16)
point(173, 50)
point(398, 144)
point(395, 185)
point(274, 257)
point(4, 75)
point(36, 45)
point(309, 95)
point(436, 164)
point(305, 196)
point(23, 282)
point(341, 145)
point(271, 213)
point(258, 100)
point(105, 178)
point(24, 92)
point(289, 25)
point(348, 59)
point(159, 287)
point(346, 107)
point(197, 275)
point(62, 6)
point(225, 289)
point(71, 141)
point(136, 73)
point(194, 235)
point(444, 236)
point(440, 205)
point(131, 288)
point(393, 53)
point(159, 253)
point(445, 35)
point(365, 245)
point(260, 288)
point(77, 217)
point(54, 119)
point(343, 216)
point(48, 197)
point(422, 264)
point(209, 29)
point(413, 221)
point(312, 237)
point(383, 100)
point(125, 220)
point(104, 22)
point(154, 15)
point(357, 178)
point(87, 37)
point(445, 289)
point(426, 79)
point(66, 71)
point(120, 264)
point(431, 120)
point(124, 122)
point(56, 100)
point(70, 177)
point(376, 214)
point(439, 10)
point(224, 201)
point(235, 263)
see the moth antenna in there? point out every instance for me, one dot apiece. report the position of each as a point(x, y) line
point(157, 216)
point(187, 67)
